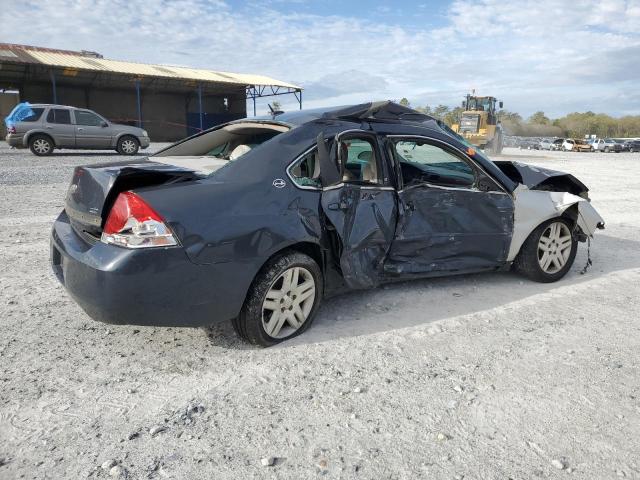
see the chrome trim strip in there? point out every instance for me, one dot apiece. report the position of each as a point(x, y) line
point(333, 187)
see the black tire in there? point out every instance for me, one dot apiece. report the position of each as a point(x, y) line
point(41, 145)
point(527, 262)
point(128, 145)
point(606, 149)
point(249, 324)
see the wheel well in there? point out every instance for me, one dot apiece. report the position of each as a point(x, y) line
point(130, 135)
point(310, 249)
point(39, 134)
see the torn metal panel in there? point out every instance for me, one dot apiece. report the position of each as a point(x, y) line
point(537, 178)
point(364, 219)
point(533, 207)
point(450, 229)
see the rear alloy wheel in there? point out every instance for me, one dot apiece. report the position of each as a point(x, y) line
point(128, 146)
point(41, 145)
point(282, 300)
point(548, 253)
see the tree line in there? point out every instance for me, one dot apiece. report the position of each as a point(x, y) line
point(539, 125)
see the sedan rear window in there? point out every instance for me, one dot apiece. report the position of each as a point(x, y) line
point(227, 143)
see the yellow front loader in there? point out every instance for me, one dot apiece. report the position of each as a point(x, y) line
point(479, 123)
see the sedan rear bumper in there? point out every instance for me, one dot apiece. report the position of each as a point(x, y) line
point(156, 286)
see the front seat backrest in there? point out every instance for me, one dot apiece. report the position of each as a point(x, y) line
point(239, 151)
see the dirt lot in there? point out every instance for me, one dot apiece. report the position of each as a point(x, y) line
point(482, 376)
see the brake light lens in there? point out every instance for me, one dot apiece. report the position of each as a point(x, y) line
point(132, 223)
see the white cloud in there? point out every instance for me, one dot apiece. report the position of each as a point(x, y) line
point(550, 55)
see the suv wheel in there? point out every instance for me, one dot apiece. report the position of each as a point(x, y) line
point(128, 145)
point(282, 300)
point(41, 145)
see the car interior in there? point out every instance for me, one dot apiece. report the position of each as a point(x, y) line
point(359, 160)
point(210, 151)
point(227, 143)
point(423, 163)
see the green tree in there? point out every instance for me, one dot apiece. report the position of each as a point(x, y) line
point(276, 105)
point(539, 118)
point(404, 102)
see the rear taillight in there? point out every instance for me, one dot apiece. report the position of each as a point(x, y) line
point(132, 223)
point(11, 129)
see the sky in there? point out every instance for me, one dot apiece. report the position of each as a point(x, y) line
point(554, 56)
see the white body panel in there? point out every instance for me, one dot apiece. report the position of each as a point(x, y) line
point(533, 207)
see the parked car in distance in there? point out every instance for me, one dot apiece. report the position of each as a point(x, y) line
point(632, 145)
point(550, 144)
point(576, 145)
point(606, 145)
point(257, 220)
point(59, 126)
point(545, 144)
point(622, 144)
point(529, 144)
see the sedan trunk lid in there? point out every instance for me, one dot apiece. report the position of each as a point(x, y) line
point(94, 188)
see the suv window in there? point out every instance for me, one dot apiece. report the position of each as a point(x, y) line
point(87, 118)
point(359, 160)
point(306, 171)
point(59, 115)
point(421, 163)
point(35, 116)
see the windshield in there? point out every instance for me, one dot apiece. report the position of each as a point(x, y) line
point(483, 104)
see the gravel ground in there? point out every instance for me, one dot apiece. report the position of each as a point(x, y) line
point(481, 376)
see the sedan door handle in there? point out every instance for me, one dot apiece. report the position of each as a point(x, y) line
point(338, 206)
point(49, 127)
point(80, 129)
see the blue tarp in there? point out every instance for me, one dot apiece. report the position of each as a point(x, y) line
point(20, 112)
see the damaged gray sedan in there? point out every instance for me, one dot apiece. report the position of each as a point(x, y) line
point(257, 221)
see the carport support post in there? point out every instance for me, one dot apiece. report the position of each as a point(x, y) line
point(138, 104)
point(200, 106)
point(254, 106)
point(53, 85)
point(300, 100)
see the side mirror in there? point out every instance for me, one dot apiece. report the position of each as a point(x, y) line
point(329, 173)
point(500, 104)
point(104, 124)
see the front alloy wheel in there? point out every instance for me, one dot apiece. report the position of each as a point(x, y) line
point(128, 146)
point(554, 247)
point(548, 252)
point(281, 301)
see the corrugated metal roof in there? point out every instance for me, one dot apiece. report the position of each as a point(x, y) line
point(80, 62)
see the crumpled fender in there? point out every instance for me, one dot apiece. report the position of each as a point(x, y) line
point(533, 207)
point(538, 178)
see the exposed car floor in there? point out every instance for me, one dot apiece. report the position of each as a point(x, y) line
point(479, 376)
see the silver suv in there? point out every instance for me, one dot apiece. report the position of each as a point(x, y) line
point(59, 126)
